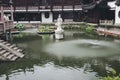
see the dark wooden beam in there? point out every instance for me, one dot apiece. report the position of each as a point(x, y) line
point(62, 5)
point(14, 5)
point(50, 4)
point(26, 4)
point(38, 5)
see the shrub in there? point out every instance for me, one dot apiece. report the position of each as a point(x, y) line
point(45, 29)
point(19, 26)
point(111, 78)
point(90, 29)
point(113, 72)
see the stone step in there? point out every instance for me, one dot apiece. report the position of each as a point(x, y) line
point(4, 42)
point(15, 48)
point(3, 51)
point(6, 54)
point(21, 56)
point(19, 50)
point(3, 58)
point(9, 52)
point(14, 58)
point(1, 48)
point(11, 46)
point(8, 44)
point(10, 56)
point(1, 41)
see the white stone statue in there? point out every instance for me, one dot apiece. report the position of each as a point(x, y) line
point(59, 32)
point(59, 22)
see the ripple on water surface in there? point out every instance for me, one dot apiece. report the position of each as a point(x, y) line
point(83, 48)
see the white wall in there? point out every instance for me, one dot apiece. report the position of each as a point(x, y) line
point(112, 4)
point(47, 20)
point(117, 18)
point(117, 9)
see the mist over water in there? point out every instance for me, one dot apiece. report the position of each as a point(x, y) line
point(83, 48)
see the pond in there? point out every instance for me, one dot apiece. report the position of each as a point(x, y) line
point(74, 58)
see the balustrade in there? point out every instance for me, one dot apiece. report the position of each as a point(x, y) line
point(106, 22)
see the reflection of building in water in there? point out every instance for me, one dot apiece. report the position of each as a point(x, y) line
point(47, 11)
point(85, 65)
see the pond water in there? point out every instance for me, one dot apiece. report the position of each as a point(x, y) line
point(74, 58)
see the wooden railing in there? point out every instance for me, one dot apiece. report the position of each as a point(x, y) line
point(5, 26)
point(8, 24)
point(106, 22)
point(68, 7)
point(6, 8)
point(33, 8)
point(43, 7)
point(57, 7)
point(78, 6)
point(20, 8)
point(1, 27)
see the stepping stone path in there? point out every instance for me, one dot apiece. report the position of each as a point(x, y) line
point(9, 52)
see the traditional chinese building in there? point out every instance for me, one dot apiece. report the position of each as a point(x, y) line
point(46, 11)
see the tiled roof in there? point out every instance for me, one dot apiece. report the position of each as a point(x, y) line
point(118, 2)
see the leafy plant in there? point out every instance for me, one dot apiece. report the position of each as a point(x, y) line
point(113, 72)
point(19, 26)
point(90, 29)
point(44, 29)
point(111, 78)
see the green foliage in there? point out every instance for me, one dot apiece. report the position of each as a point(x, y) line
point(45, 29)
point(82, 26)
point(111, 78)
point(90, 29)
point(69, 26)
point(113, 72)
point(19, 26)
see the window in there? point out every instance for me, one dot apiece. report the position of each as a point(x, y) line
point(46, 14)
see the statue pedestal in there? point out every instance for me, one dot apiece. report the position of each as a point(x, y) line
point(59, 34)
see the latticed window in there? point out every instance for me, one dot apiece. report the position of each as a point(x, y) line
point(56, 2)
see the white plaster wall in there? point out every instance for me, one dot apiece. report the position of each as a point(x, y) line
point(111, 4)
point(117, 18)
point(47, 20)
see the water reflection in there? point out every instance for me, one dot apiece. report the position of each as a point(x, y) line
point(32, 69)
point(42, 64)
